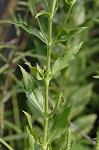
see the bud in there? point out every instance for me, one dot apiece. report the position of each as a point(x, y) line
point(70, 2)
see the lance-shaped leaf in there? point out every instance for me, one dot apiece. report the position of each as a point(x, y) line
point(70, 34)
point(32, 91)
point(38, 72)
point(64, 60)
point(59, 125)
point(28, 29)
point(32, 131)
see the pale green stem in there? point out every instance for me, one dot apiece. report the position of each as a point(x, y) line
point(68, 14)
point(44, 146)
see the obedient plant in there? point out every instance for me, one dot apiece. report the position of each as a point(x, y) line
point(32, 89)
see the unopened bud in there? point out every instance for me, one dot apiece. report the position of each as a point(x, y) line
point(70, 2)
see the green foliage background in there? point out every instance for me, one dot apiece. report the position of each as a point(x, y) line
point(76, 81)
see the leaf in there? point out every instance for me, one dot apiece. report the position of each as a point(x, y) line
point(28, 29)
point(42, 12)
point(57, 100)
point(30, 140)
point(32, 131)
point(64, 60)
point(32, 91)
point(38, 72)
point(70, 34)
point(59, 125)
point(28, 118)
point(67, 144)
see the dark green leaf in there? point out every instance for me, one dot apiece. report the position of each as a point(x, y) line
point(28, 29)
point(65, 59)
point(28, 118)
point(32, 91)
point(32, 131)
point(30, 140)
point(59, 125)
point(57, 100)
point(70, 34)
point(67, 143)
point(38, 72)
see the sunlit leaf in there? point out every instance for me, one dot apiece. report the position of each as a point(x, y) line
point(65, 59)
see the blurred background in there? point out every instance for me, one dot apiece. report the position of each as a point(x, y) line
point(77, 82)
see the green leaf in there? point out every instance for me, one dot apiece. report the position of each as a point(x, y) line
point(32, 91)
point(70, 34)
point(42, 12)
point(28, 29)
point(59, 125)
point(64, 60)
point(30, 140)
point(32, 131)
point(57, 100)
point(38, 72)
point(28, 118)
point(67, 143)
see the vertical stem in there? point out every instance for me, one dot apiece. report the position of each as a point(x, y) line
point(47, 82)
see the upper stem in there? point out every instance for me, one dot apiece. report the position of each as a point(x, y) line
point(47, 83)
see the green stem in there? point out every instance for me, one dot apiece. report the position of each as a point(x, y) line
point(44, 146)
point(69, 11)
